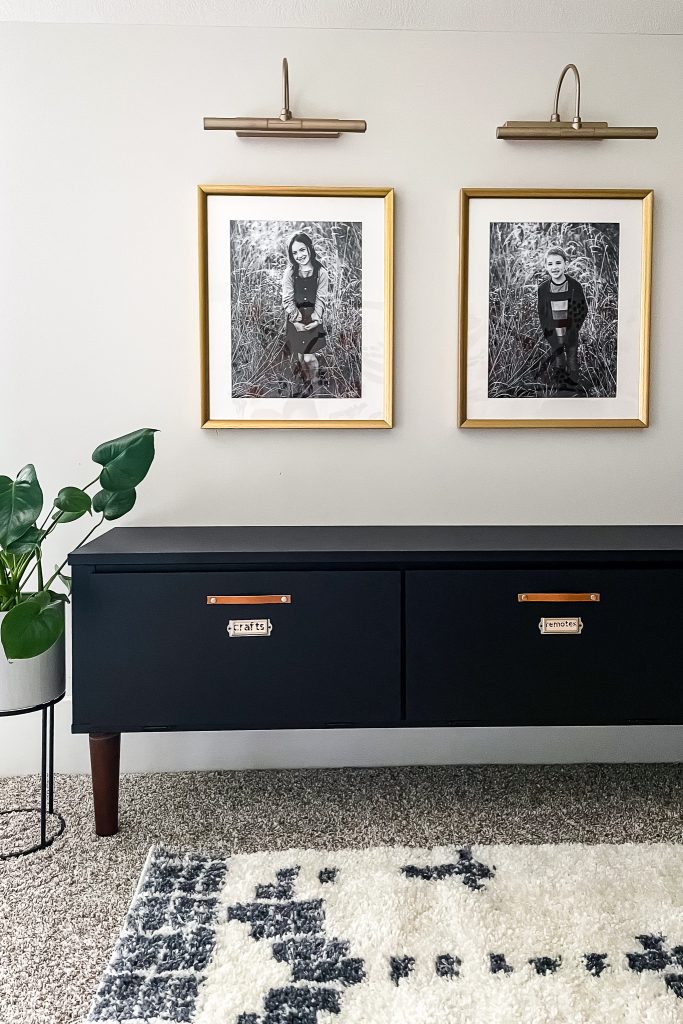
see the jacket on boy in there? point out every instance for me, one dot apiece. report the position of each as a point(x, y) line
point(577, 310)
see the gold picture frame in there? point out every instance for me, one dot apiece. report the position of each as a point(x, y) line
point(371, 405)
point(590, 398)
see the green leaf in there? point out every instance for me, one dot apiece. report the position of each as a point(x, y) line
point(67, 517)
point(32, 627)
point(114, 504)
point(74, 501)
point(28, 541)
point(66, 580)
point(126, 459)
point(20, 503)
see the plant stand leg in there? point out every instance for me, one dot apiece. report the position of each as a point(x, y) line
point(43, 780)
point(51, 760)
point(105, 751)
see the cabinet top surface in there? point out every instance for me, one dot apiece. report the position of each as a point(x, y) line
point(179, 545)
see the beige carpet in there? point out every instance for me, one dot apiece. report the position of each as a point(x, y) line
point(61, 910)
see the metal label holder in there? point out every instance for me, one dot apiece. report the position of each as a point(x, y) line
point(249, 627)
point(568, 626)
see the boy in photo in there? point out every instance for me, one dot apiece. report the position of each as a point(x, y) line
point(562, 309)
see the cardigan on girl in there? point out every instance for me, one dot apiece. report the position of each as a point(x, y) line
point(322, 293)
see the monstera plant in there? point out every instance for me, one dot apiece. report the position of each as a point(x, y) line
point(32, 598)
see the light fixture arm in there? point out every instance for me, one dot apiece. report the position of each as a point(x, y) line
point(555, 116)
point(285, 113)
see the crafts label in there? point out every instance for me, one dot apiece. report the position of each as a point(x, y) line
point(250, 627)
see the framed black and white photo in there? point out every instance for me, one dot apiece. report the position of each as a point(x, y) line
point(296, 306)
point(554, 307)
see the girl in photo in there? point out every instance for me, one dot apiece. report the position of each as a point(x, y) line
point(562, 309)
point(305, 288)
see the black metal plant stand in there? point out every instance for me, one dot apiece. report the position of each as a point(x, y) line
point(47, 778)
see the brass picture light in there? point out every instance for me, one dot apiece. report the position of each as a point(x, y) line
point(574, 129)
point(285, 125)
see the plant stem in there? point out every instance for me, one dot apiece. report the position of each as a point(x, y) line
point(42, 526)
point(55, 522)
point(47, 534)
point(18, 575)
point(57, 571)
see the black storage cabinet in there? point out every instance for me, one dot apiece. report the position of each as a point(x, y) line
point(380, 627)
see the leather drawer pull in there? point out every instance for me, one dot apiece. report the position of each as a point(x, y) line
point(565, 598)
point(249, 599)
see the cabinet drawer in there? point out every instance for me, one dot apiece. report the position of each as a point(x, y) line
point(150, 651)
point(475, 654)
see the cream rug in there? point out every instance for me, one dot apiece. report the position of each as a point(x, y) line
point(554, 934)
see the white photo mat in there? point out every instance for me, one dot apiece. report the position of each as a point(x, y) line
point(370, 213)
point(485, 211)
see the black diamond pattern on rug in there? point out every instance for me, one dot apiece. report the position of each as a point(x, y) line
point(167, 942)
point(470, 871)
point(316, 960)
point(656, 956)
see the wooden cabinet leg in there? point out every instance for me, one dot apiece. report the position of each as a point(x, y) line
point(105, 752)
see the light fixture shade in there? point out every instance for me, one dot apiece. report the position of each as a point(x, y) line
point(576, 128)
point(521, 130)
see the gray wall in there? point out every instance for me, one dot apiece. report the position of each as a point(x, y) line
point(102, 148)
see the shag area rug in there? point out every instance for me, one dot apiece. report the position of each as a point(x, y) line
point(554, 934)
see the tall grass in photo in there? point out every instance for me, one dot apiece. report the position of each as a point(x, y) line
point(261, 365)
point(519, 355)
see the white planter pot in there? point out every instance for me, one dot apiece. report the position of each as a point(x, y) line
point(30, 681)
